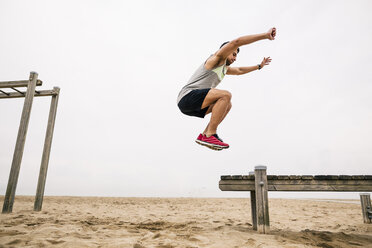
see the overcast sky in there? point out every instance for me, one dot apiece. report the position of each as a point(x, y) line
point(121, 64)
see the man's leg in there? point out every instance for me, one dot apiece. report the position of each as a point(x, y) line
point(220, 99)
point(210, 110)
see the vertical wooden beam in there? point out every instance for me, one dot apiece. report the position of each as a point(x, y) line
point(262, 203)
point(365, 200)
point(20, 144)
point(46, 152)
point(253, 207)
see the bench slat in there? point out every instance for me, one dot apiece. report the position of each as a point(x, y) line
point(303, 177)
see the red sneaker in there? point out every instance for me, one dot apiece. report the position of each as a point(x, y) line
point(199, 138)
point(200, 141)
point(212, 142)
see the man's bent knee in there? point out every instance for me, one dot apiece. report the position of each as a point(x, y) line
point(227, 95)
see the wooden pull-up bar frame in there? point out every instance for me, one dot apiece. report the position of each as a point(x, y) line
point(21, 138)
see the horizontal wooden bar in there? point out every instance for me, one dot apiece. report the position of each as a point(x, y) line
point(318, 187)
point(38, 93)
point(237, 187)
point(299, 182)
point(20, 83)
point(350, 183)
point(302, 177)
point(309, 188)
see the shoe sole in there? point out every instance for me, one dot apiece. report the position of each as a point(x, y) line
point(211, 146)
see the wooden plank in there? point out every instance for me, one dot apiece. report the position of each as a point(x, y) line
point(345, 177)
point(283, 177)
point(309, 187)
point(18, 151)
point(239, 181)
point(315, 187)
point(236, 187)
point(302, 182)
point(357, 177)
point(46, 152)
point(307, 177)
point(19, 95)
point(262, 201)
point(237, 177)
point(322, 182)
point(20, 83)
point(326, 177)
point(294, 177)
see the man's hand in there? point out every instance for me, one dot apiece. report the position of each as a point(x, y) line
point(265, 61)
point(271, 34)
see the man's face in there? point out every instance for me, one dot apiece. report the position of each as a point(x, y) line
point(231, 58)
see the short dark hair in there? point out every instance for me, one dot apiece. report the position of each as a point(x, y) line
point(226, 43)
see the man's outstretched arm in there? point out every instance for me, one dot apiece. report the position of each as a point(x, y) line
point(233, 45)
point(244, 70)
point(220, 56)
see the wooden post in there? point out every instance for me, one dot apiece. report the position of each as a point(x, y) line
point(262, 203)
point(253, 206)
point(46, 152)
point(20, 144)
point(365, 200)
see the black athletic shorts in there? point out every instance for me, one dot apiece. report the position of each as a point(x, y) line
point(192, 102)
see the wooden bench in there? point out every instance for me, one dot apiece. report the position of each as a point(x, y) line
point(259, 183)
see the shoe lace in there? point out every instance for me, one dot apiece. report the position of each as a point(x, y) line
point(215, 135)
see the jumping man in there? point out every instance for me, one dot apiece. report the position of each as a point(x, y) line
point(200, 97)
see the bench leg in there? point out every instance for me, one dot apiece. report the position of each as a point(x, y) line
point(365, 201)
point(253, 208)
point(262, 203)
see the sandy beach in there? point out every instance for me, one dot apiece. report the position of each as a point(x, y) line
point(181, 222)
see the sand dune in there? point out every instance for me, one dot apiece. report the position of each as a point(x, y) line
point(180, 222)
